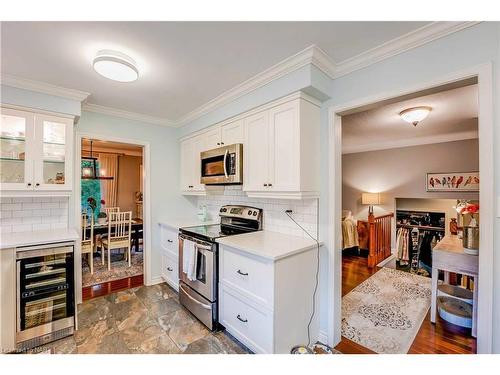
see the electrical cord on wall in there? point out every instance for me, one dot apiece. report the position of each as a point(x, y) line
point(289, 214)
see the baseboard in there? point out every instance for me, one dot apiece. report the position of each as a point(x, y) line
point(386, 260)
point(156, 280)
point(323, 337)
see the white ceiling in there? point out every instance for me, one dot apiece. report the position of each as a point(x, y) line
point(183, 65)
point(453, 117)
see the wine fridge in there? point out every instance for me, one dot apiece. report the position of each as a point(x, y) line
point(45, 294)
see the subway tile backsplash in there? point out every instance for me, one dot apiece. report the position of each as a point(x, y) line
point(275, 218)
point(29, 214)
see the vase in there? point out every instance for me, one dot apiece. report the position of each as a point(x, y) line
point(453, 226)
point(470, 240)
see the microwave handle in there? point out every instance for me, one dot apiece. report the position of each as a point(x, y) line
point(225, 158)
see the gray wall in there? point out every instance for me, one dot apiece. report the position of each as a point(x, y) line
point(400, 173)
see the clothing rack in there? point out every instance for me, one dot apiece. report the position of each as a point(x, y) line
point(417, 233)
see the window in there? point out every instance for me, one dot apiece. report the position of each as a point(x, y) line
point(91, 188)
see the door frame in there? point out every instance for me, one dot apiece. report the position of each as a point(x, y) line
point(146, 181)
point(484, 75)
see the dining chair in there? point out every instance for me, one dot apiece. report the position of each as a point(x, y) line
point(119, 231)
point(87, 244)
point(98, 242)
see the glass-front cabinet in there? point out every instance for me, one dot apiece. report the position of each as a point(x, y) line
point(35, 151)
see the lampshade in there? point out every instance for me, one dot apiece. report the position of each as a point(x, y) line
point(370, 198)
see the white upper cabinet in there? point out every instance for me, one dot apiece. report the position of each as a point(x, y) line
point(36, 152)
point(256, 152)
point(231, 133)
point(212, 139)
point(191, 165)
point(282, 151)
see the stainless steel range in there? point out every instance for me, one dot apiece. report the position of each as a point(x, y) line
point(199, 259)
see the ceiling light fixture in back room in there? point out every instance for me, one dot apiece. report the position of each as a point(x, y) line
point(415, 115)
point(116, 66)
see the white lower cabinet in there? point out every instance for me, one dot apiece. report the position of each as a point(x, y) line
point(266, 303)
point(251, 325)
point(170, 254)
point(170, 269)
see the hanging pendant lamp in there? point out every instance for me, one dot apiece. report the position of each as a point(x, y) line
point(90, 173)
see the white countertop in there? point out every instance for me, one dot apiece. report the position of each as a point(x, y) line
point(176, 223)
point(269, 245)
point(10, 240)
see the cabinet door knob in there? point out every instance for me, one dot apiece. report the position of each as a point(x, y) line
point(170, 269)
point(37, 184)
point(218, 144)
point(29, 183)
point(241, 319)
point(242, 273)
point(170, 241)
point(265, 184)
point(270, 185)
point(222, 143)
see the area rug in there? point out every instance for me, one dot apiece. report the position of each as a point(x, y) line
point(119, 268)
point(385, 312)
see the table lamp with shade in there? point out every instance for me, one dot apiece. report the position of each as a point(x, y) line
point(370, 199)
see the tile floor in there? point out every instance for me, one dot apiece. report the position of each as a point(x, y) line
point(142, 320)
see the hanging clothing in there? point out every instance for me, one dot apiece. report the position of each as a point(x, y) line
point(349, 233)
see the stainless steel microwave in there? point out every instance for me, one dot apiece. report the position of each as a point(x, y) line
point(223, 165)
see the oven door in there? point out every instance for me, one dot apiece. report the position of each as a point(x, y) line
point(222, 165)
point(203, 280)
point(45, 299)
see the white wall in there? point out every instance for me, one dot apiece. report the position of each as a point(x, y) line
point(401, 173)
point(166, 200)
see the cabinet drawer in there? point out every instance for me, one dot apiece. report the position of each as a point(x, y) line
point(252, 326)
point(169, 240)
point(170, 270)
point(249, 275)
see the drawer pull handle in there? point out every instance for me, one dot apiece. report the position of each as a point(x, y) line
point(242, 273)
point(241, 319)
point(170, 241)
point(170, 269)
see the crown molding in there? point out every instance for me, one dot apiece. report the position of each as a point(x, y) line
point(393, 47)
point(409, 142)
point(44, 88)
point(310, 55)
point(89, 107)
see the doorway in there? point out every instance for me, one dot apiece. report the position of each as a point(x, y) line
point(483, 75)
point(112, 205)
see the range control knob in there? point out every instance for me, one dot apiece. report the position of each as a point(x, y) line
point(221, 210)
point(255, 213)
point(250, 212)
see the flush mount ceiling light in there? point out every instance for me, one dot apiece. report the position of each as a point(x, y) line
point(116, 66)
point(415, 115)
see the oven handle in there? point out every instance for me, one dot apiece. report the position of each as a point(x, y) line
point(207, 307)
point(225, 158)
point(195, 240)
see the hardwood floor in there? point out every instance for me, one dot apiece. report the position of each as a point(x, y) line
point(438, 338)
point(109, 287)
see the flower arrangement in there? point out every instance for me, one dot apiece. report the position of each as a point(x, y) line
point(92, 203)
point(464, 207)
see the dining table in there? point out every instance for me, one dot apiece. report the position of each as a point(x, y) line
point(135, 235)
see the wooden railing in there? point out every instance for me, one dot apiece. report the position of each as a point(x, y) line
point(380, 229)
